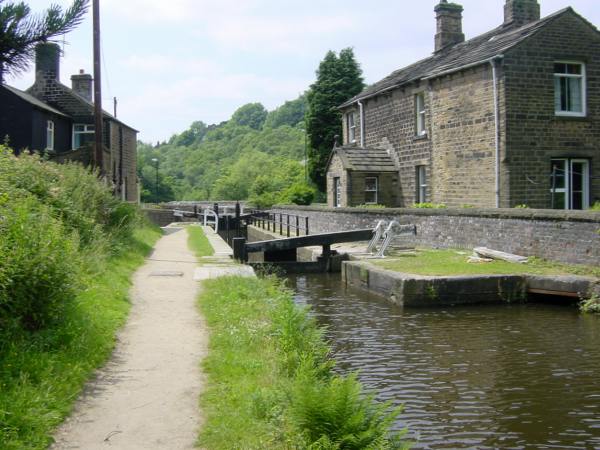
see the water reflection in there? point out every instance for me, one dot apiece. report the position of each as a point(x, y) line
point(510, 376)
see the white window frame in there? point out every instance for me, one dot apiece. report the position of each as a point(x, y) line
point(337, 192)
point(421, 182)
point(50, 135)
point(567, 164)
point(420, 114)
point(86, 129)
point(583, 93)
point(351, 122)
point(376, 190)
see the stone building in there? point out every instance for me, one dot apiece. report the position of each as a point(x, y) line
point(59, 121)
point(507, 118)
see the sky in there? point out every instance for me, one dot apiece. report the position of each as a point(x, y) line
point(172, 62)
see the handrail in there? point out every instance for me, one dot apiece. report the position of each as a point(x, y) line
point(214, 215)
point(378, 232)
point(269, 221)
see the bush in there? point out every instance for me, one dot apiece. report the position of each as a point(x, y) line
point(39, 264)
point(591, 305)
point(299, 194)
point(596, 206)
point(429, 206)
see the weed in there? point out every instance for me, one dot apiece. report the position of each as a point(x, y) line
point(591, 305)
point(429, 206)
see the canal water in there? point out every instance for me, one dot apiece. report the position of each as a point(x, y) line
point(478, 377)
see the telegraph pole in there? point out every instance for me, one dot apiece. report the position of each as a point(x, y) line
point(98, 128)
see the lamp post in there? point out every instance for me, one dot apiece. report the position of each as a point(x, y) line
point(155, 161)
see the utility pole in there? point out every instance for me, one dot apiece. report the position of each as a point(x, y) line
point(98, 128)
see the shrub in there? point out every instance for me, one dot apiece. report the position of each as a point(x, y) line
point(591, 305)
point(371, 206)
point(39, 264)
point(429, 206)
point(523, 206)
point(299, 194)
point(596, 206)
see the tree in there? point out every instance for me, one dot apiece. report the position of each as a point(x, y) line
point(339, 78)
point(252, 115)
point(290, 113)
point(21, 31)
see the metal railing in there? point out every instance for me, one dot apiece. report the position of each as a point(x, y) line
point(284, 224)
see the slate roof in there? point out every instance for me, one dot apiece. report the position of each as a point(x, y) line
point(466, 54)
point(361, 159)
point(32, 100)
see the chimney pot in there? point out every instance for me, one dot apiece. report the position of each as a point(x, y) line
point(521, 12)
point(449, 25)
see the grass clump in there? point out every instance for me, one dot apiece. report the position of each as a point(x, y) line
point(198, 242)
point(271, 383)
point(453, 262)
point(67, 251)
point(591, 305)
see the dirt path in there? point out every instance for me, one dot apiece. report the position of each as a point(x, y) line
point(147, 395)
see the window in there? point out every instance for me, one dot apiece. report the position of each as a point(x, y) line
point(337, 192)
point(50, 135)
point(82, 134)
point(420, 114)
point(569, 89)
point(570, 183)
point(351, 117)
point(421, 184)
point(371, 190)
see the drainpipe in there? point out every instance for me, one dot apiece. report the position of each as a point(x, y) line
point(497, 128)
point(362, 124)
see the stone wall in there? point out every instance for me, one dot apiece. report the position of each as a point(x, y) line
point(159, 217)
point(336, 170)
point(566, 236)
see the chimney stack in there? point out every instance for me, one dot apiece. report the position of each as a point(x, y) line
point(47, 62)
point(449, 25)
point(82, 85)
point(521, 12)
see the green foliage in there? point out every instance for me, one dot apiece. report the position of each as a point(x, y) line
point(523, 206)
point(220, 162)
point(270, 378)
point(591, 305)
point(595, 206)
point(339, 78)
point(371, 206)
point(22, 31)
point(252, 115)
point(291, 113)
point(429, 206)
point(299, 194)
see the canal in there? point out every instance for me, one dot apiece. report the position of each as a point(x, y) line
point(507, 376)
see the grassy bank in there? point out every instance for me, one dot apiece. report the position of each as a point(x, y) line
point(198, 242)
point(42, 374)
point(454, 262)
point(270, 378)
point(68, 248)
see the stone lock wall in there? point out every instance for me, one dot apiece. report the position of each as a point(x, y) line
point(566, 236)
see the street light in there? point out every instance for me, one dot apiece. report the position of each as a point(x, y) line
point(155, 161)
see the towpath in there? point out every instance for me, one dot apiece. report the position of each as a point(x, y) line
point(146, 397)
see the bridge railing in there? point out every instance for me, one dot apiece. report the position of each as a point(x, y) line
point(284, 224)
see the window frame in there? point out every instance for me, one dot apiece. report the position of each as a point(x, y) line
point(421, 183)
point(50, 135)
point(376, 190)
point(351, 124)
point(567, 190)
point(583, 88)
point(87, 129)
point(337, 192)
point(420, 115)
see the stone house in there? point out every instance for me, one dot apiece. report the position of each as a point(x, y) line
point(507, 118)
point(59, 121)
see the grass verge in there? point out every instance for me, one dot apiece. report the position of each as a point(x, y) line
point(270, 378)
point(454, 262)
point(42, 373)
point(198, 242)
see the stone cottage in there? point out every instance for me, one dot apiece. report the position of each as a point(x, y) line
point(507, 118)
point(59, 121)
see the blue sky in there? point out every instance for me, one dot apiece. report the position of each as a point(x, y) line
point(174, 62)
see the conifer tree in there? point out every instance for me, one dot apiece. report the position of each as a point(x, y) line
point(21, 31)
point(339, 78)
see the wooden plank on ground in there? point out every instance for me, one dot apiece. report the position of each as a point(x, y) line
point(495, 254)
